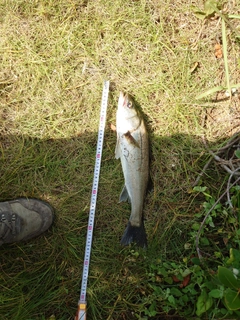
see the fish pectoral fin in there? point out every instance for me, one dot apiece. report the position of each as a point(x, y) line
point(131, 139)
point(117, 150)
point(124, 196)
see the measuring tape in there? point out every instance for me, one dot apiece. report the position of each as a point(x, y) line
point(82, 304)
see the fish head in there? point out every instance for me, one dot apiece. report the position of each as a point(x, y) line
point(126, 104)
point(128, 116)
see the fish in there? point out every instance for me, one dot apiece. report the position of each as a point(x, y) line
point(132, 148)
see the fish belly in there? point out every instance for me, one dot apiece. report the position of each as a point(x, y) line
point(134, 162)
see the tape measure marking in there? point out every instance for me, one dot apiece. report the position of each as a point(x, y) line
point(82, 302)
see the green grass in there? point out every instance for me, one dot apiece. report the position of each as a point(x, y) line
point(55, 56)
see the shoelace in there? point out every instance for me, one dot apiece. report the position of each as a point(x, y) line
point(7, 225)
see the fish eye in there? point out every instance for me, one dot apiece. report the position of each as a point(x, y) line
point(129, 104)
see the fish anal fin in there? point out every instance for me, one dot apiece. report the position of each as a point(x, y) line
point(124, 196)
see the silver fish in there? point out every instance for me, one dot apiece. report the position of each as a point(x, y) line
point(133, 150)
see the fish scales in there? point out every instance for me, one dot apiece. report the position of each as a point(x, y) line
point(133, 150)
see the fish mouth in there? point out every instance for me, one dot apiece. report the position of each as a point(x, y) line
point(123, 97)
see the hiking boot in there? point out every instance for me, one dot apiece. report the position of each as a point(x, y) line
point(23, 219)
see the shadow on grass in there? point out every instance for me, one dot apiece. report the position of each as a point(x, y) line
point(41, 278)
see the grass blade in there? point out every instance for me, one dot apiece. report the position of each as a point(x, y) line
point(234, 16)
point(224, 41)
point(216, 89)
point(208, 92)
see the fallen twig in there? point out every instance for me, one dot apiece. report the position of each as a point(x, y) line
point(225, 164)
point(202, 172)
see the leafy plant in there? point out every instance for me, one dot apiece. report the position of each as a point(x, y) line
point(232, 288)
point(193, 287)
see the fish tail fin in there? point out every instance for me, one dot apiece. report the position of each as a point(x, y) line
point(134, 234)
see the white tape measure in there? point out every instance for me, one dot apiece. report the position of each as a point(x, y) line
point(82, 304)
